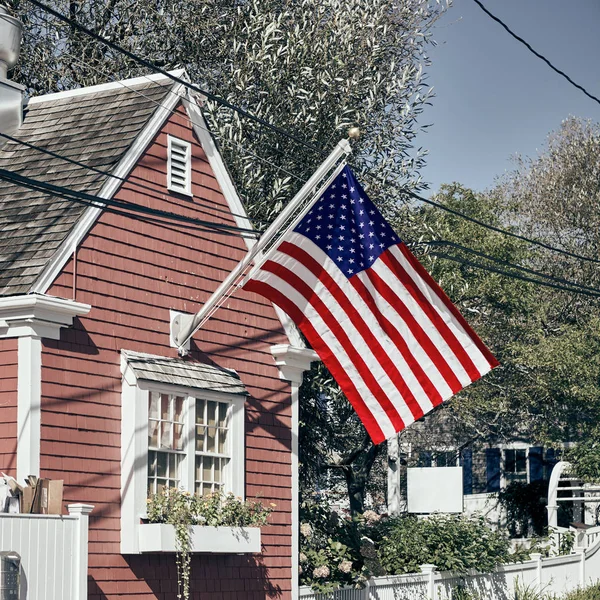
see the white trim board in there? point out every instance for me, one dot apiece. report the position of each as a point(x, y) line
point(106, 87)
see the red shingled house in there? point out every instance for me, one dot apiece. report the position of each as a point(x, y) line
point(92, 390)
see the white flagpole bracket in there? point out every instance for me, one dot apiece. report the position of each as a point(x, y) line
point(187, 329)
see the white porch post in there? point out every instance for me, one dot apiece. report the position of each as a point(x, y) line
point(292, 363)
point(29, 382)
point(80, 555)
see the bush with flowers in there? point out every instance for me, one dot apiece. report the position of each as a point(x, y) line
point(183, 510)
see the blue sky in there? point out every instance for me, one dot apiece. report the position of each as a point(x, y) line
point(493, 97)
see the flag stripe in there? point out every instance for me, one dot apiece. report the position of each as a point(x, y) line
point(360, 365)
point(372, 280)
point(442, 327)
point(437, 291)
point(435, 386)
point(341, 375)
point(389, 369)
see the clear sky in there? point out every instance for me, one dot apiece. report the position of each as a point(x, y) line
point(494, 98)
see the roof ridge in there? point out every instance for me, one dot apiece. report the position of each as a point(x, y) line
point(108, 86)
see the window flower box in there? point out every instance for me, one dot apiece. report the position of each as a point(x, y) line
point(160, 537)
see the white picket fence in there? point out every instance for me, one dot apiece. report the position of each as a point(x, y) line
point(53, 551)
point(554, 575)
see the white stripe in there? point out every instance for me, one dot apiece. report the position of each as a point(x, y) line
point(356, 338)
point(419, 316)
point(464, 338)
point(334, 345)
point(389, 347)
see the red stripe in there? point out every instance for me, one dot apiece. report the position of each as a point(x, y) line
point(396, 337)
point(459, 351)
point(364, 371)
point(418, 332)
point(430, 281)
point(376, 348)
point(327, 356)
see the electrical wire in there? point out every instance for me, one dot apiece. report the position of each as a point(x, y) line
point(505, 263)
point(155, 68)
point(540, 56)
point(506, 232)
point(92, 200)
point(492, 269)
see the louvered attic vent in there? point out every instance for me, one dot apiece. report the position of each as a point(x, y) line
point(179, 166)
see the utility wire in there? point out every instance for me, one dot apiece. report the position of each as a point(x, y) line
point(505, 263)
point(498, 229)
point(149, 65)
point(38, 185)
point(492, 269)
point(540, 56)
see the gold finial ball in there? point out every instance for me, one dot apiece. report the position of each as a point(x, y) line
point(354, 133)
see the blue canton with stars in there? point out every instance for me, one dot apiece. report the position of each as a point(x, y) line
point(347, 226)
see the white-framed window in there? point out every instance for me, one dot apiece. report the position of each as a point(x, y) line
point(179, 166)
point(176, 436)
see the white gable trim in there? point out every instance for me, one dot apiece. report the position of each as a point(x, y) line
point(233, 200)
point(106, 87)
point(66, 249)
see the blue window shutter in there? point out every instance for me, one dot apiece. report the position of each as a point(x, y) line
point(492, 459)
point(536, 463)
point(466, 461)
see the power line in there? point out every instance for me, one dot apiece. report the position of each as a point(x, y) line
point(508, 264)
point(540, 56)
point(149, 65)
point(492, 269)
point(92, 200)
point(498, 229)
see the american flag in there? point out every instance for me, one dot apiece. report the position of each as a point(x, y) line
point(386, 331)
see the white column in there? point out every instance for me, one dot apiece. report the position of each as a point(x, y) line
point(29, 395)
point(393, 476)
point(429, 570)
point(536, 556)
point(80, 552)
point(292, 363)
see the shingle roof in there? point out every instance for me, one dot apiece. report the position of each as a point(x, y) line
point(175, 371)
point(95, 128)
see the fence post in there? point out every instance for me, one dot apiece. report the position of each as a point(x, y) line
point(80, 551)
point(429, 570)
point(366, 592)
point(582, 568)
point(538, 558)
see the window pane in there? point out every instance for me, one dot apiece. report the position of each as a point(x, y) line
point(153, 434)
point(223, 414)
point(200, 411)
point(510, 461)
point(153, 405)
point(179, 409)
point(200, 438)
point(164, 407)
point(165, 438)
point(217, 473)
point(161, 464)
point(521, 461)
point(178, 437)
point(212, 413)
point(222, 441)
point(210, 439)
point(207, 469)
point(151, 463)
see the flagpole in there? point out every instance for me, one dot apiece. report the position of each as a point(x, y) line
point(188, 329)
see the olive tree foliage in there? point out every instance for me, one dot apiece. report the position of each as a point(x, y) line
point(312, 67)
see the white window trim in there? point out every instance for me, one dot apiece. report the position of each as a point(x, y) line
point(134, 448)
point(188, 166)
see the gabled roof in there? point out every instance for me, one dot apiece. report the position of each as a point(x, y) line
point(96, 126)
point(191, 374)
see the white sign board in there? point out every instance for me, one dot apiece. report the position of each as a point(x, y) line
point(435, 489)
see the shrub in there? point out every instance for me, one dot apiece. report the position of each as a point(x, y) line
point(589, 593)
point(452, 543)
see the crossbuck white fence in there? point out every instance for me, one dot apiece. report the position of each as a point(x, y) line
point(53, 551)
point(555, 575)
